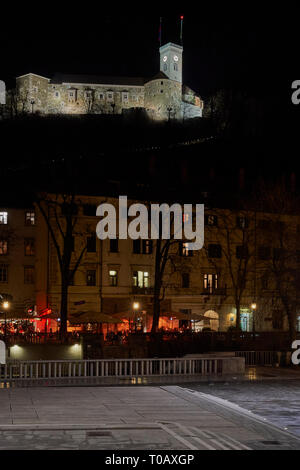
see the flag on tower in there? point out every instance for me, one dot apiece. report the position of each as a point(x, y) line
point(160, 31)
point(181, 29)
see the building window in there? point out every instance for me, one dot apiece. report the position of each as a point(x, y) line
point(29, 246)
point(214, 251)
point(101, 96)
point(29, 218)
point(3, 273)
point(165, 67)
point(113, 277)
point(210, 282)
point(185, 280)
point(264, 253)
point(89, 210)
point(211, 220)
point(91, 277)
point(110, 96)
point(3, 218)
point(114, 245)
point(57, 94)
point(91, 244)
point(277, 322)
point(3, 247)
point(125, 97)
point(184, 249)
point(242, 222)
point(176, 67)
point(28, 274)
point(147, 247)
point(136, 246)
point(242, 252)
point(140, 279)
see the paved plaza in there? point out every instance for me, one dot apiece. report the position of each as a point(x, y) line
point(132, 418)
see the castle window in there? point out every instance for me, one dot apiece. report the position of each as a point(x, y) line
point(165, 67)
point(125, 97)
point(176, 67)
point(57, 94)
point(101, 96)
point(110, 96)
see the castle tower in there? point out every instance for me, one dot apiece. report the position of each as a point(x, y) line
point(171, 61)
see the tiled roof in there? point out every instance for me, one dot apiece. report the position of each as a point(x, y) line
point(97, 80)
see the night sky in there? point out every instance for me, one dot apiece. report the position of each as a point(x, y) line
point(246, 49)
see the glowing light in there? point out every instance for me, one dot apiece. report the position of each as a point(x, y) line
point(136, 306)
point(5, 305)
point(253, 306)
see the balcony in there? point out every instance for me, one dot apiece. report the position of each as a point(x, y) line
point(219, 291)
point(142, 290)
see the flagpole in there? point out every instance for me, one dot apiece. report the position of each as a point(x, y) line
point(160, 32)
point(181, 30)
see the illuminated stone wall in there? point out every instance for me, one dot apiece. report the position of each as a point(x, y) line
point(163, 99)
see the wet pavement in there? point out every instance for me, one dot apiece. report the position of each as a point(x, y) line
point(134, 418)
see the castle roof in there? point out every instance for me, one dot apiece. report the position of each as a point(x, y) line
point(158, 76)
point(97, 80)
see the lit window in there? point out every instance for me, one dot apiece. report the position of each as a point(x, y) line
point(3, 273)
point(28, 275)
point(113, 276)
point(147, 247)
point(29, 218)
point(3, 247)
point(140, 279)
point(185, 249)
point(3, 218)
point(210, 282)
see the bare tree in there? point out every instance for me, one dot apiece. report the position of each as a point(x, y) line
point(281, 235)
point(60, 213)
point(231, 251)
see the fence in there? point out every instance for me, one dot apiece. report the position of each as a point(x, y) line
point(258, 358)
point(16, 370)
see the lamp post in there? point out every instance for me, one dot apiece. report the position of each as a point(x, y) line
point(253, 308)
point(5, 305)
point(136, 307)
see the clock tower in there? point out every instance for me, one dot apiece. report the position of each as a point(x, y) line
point(171, 61)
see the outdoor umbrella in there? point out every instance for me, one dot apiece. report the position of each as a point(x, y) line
point(92, 317)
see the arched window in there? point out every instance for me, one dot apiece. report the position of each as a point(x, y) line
point(176, 67)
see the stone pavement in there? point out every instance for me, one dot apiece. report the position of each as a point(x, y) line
point(131, 418)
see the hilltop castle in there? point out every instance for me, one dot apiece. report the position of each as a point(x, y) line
point(162, 97)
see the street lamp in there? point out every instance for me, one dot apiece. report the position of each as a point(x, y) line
point(253, 307)
point(5, 305)
point(136, 307)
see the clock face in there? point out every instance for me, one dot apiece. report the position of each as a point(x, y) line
point(165, 58)
point(176, 58)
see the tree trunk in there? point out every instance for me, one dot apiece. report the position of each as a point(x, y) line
point(63, 310)
point(238, 314)
point(156, 310)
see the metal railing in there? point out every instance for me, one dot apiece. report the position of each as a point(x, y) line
point(16, 370)
point(258, 358)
